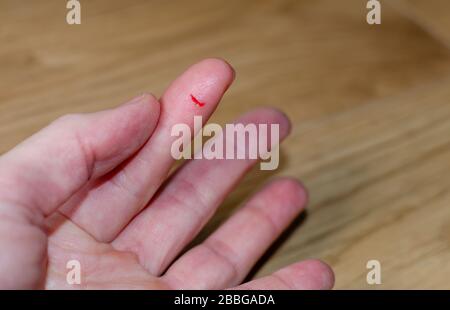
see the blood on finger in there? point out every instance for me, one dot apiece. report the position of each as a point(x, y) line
point(196, 101)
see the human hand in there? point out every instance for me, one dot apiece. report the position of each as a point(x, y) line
point(93, 188)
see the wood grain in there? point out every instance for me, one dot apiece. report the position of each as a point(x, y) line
point(369, 106)
point(431, 15)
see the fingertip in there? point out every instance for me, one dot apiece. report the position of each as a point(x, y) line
point(150, 105)
point(219, 67)
point(291, 190)
point(150, 98)
point(270, 115)
point(282, 199)
point(281, 118)
point(325, 272)
point(140, 115)
point(145, 100)
point(311, 274)
point(118, 133)
point(198, 90)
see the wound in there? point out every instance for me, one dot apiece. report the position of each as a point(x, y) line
point(196, 101)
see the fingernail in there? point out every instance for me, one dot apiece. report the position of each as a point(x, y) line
point(138, 99)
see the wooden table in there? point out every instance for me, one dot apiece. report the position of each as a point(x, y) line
point(370, 107)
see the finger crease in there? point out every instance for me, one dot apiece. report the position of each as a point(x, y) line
point(88, 155)
point(265, 216)
point(224, 258)
point(280, 278)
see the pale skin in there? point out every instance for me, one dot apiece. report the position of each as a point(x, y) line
point(94, 188)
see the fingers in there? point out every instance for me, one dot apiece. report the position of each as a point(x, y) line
point(305, 275)
point(49, 167)
point(188, 201)
point(127, 192)
point(227, 256)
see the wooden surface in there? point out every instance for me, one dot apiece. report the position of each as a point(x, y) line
point(431, 15)
point(370, 107)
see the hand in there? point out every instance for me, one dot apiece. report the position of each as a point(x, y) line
point(93, 188)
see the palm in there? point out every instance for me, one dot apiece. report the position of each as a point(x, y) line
point(103, 266)
point(94, 188)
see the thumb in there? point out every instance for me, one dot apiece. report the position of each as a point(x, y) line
point(42, 172)
point(46, 169)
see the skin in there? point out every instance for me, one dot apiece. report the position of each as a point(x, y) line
point(94, 187)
